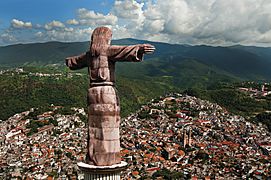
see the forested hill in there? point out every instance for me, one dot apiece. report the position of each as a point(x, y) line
point(238, 61)
point(172, 68)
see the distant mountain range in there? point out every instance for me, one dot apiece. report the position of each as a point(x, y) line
point(172, 68)
point(181, 63)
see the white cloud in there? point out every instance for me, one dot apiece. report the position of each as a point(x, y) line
point(265, 38)
point(7, 38)
point(177, 18)
point(38, 26)
point(68, 34)
point(154, 26)
point(91, 18)
point(128, 9)
point(72, 22)
point(216, 22)
point(213, 22)
point(131, 16)
point(20, 24)
point(39, 34)
point(120, 32)
point(54, 24)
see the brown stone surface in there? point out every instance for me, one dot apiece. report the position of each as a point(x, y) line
point(103, 102)
point(105, 133)
point(104, 121)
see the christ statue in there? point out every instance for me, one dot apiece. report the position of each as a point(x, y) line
point(103, 142)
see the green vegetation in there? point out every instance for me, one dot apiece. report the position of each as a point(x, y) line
point(240, 61)
point(167, 174)
point(69, 155)
point(172, 68)
point(64, 111)
point(20, 92)
point(36, 123)
point(264, 118)
point(37, 111)
point(228, 96)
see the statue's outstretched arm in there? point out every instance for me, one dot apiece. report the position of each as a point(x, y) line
point(77, 62)
point(129, 53)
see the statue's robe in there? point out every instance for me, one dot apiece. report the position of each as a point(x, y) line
point(103, 142)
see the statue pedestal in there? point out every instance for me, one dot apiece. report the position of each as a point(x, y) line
point(92, 172)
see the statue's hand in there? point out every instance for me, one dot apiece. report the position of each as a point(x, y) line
point(68, 61)
point(147, 48)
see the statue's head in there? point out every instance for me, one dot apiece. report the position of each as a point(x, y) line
point(100, 39)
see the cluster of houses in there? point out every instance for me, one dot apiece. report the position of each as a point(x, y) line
point(51, 152)
point(22, 72)
point(179, 133)
point(256, 92)
point(196, 137)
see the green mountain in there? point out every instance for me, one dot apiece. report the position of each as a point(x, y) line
point(172, 68)
point(39, 53)
point(239, 61)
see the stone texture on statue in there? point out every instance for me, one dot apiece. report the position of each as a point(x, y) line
point(103, 102)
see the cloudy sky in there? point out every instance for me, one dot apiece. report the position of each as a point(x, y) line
point(211, 22)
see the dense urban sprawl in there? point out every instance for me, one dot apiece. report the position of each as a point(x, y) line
point(178, 135)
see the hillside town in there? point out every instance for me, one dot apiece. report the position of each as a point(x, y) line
point(27, 73)
point(256, 92)
point(177, 136)
point(51, 152)
point(195, 137)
